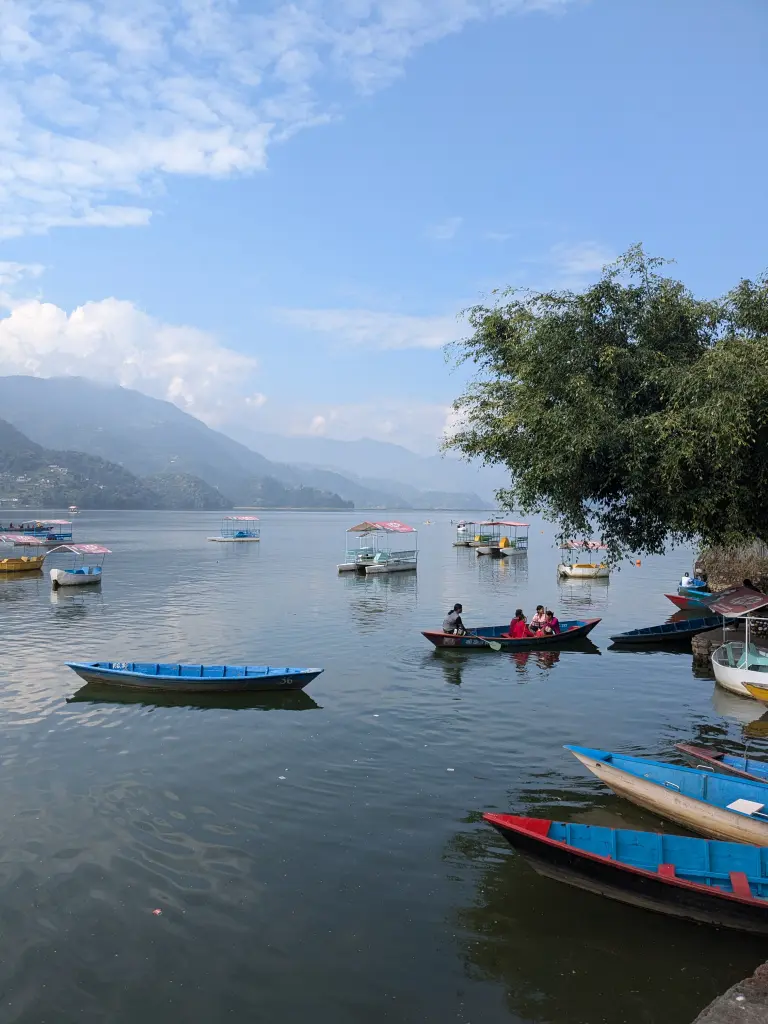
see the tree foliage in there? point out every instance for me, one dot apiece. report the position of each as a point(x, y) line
point(631, 409)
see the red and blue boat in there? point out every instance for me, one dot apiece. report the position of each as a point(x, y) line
point(703, 880)
point(476, 639)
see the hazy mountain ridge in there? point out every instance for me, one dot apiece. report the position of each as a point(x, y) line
point(148, 436)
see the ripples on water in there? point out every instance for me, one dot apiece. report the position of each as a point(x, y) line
point(331, 865)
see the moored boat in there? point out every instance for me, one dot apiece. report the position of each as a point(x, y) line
point(726, 764)
point(572, 629)
point(464, 533)
point(193, 678)
point(690, 602)
point(31, 561)
point(583, 570)
point(741, 667)
point(238, 530)
point(381, 548)
point(707, 881)
point(715, 805)
point(502, 538)
point(79, 573)
point(682, 630)
point(50, 531)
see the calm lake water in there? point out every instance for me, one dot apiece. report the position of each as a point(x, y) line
point(321, 856)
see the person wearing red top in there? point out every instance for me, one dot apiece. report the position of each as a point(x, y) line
point(553, 624)
point(518, 628)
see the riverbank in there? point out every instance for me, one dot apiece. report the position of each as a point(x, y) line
point(746, 1002)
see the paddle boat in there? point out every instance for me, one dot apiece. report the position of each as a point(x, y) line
point(503, 537)
point(380, 548)
point(73, 510)
point(683, 630)
point(464, 533)
point(50, 531)
point(718, 806)
point(478, 639)
point(717, 883)
point(238, 530)
point(583, 570)
point(725, 764)
point(79, 573)
point(741, 667)
point(141, 675)
point(31, 561)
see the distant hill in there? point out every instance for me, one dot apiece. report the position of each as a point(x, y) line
point(148, 437)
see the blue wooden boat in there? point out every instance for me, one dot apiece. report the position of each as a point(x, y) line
point(715, 805)
point(726, 764)
point(149, 675)
point(723, 884)
point(682, 630)
point(571, 629)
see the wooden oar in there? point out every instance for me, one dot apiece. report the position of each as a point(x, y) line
point(491, 643)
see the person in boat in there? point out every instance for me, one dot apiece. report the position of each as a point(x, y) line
point(552, 625)
point(452, 622)
point(686, 579)
point(539, 620)
point(518, 628)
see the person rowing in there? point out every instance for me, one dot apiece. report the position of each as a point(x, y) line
point(452, 622)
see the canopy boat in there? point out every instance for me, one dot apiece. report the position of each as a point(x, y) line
point(379, 548)
point(741, 666)
point(50, 531)
point(716, 805)
point(583, 570)
point(73, 510)
point(79, 573)
point(503, 537)
point(464, 533)
point(716, 760)
point(718, 883)
point(139, 675)
point(31, 561)
point(238, 530)
point(573, 629)
point(683, 630)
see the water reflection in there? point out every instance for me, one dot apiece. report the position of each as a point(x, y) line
point(583, 594)
point(296, 700)
point(371, 597)
point(739, 709)
point(453, 662)
point(603, 961)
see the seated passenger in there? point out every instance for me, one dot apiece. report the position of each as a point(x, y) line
point(552, 625)
point(539, 620)
point(518, 629)
point(452, 622)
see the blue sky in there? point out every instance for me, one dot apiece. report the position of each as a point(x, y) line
point(271, 214)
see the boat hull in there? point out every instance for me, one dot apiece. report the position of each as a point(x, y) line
point(95, 672)
point(375, 568)
point(64, 578)
point(646, 889)
point(470, 642)
point(669, 631)
point(706, 819)
point(701, 757)
point(687, 602)
point(735, 680)
point(33, 563)
point(584, 571)
point(235, 540)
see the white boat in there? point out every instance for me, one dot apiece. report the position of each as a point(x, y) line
point(238, 530)
point(502, 538)
point(73, 510)
point(377, 551)
point(79, 574)
point(464, 533)
point(737, 665)
point(583, 570)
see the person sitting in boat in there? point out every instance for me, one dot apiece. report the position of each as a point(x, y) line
point(539, 620)
point(452, 622)
point(552, 625)
point(686, 579)
point(518, 628)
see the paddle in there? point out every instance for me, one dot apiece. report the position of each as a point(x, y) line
point(491, 643)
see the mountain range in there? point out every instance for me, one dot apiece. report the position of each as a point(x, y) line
point(148, 437)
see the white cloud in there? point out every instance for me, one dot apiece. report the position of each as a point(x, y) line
point(577, 264)
point(113, 341)
point(445, 230)
point(371, 329)
point(419, 426)
point(101, 100)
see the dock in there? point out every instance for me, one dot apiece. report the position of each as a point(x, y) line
point(745, 1003)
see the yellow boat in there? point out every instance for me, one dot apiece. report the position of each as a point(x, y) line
point(22, 563)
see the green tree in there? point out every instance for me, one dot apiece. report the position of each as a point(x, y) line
point(632, 409)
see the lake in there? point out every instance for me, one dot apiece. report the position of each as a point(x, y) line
point(321, 855)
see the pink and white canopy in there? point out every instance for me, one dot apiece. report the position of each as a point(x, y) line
point(241, 519)
point(83, 549)
point(584, 545)
point(391, 527)
point(504, 522)
point(21, 538)
point(54, 522)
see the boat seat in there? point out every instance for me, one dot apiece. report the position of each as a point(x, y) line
point(667, 870)
point(740, 885)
